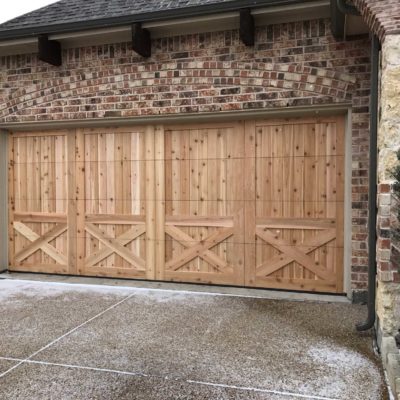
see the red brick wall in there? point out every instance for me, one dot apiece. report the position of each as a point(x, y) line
point(382, 16)
point(388, 249)
point(292, 64)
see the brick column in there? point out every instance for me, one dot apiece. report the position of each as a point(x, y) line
point(388, 276)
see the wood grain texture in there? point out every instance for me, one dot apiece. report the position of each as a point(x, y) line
point(204, 189)
point(299, 204)
point(38, 200)
point(248, 203)
point(117, 163)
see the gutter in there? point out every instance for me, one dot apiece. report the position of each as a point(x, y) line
point(340, 9)
point(185, 12)
point(372, 193)
point(346, 8)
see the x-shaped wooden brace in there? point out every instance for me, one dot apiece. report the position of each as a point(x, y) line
point(291, 253)
point(198, 249)
point(116, 246)
point(40, 242)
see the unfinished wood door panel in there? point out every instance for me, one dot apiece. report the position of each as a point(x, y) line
point(254, 203)
point(296, 228)
point(111, 178)
point(204, 203)
point(38, 195)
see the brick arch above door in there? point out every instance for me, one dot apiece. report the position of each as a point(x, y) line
point(239, 85)
point(381, 16)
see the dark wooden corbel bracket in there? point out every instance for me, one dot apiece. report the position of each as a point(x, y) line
point(247, 27)
point(49, 51)
point(141, 40)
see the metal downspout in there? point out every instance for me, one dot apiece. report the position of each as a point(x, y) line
point(372, 194)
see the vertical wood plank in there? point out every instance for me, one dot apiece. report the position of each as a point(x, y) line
point(340, 149)
point(238, 200)
point(92, 188)
point(212, 184)
point(203, 189)
point(72, 209)
point(20, 185)
point(160, 201)
point(102, 171)
point(36, 194)
point(60, 162)
point(80, 201)
point(119, 194)
point(250, 202)
point(44, 189)
point(126, 182)
point(111, 184)
point(4, 225)
point(168, 187)
point(52, 186)
point(11, 202)
point(194, 156)
point(150, 204)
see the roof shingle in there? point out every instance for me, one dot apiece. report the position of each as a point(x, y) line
point(73, 11)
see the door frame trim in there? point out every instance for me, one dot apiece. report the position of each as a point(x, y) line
point(287, 112)
point(347, 226)
point(3, 201)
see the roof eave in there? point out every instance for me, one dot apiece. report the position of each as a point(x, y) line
point(145, 17)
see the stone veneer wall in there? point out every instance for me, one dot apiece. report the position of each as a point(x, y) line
point(388, 298)
point(291, 64)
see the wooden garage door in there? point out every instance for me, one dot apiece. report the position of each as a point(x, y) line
point(295, 225)
point(111, 203)
point(255, 203)
point(39, 230)
point(204, 193)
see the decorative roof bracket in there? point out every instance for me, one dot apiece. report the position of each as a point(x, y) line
point(141, 40)
point(49, 51)
point(247, 27)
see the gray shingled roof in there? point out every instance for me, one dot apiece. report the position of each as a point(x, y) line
point(70, 11)
point(70, 15)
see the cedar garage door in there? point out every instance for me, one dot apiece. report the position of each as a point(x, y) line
point(250, 203)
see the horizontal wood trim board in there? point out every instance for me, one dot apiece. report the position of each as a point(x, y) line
point(105, 219)
point(114, 272)
point(226, 222)
point(296, 223)
point(39, 217)
point(180, 119)
point(40, 268)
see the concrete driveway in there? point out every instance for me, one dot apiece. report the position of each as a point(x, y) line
point(66, 341)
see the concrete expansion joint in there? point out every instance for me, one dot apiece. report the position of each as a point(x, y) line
point(290, 395)
point(29, 358)
point(101, 344)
